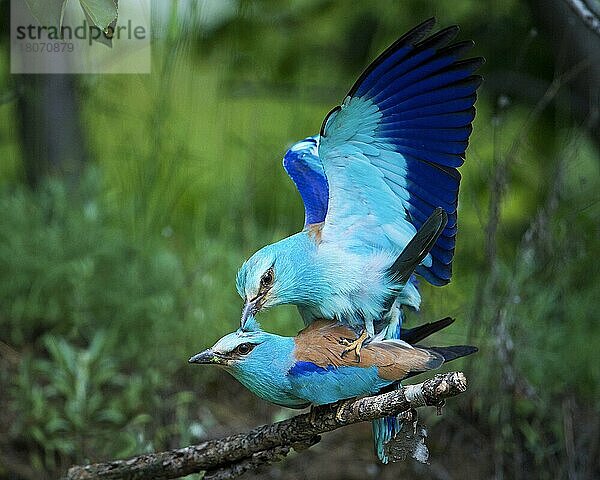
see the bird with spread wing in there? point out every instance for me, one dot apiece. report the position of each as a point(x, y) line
point(384, 161)
point(383, 166)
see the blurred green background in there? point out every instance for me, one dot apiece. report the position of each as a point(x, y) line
point(119, 247)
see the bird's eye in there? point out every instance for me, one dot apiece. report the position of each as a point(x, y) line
point(267, 279)
point(244, 348)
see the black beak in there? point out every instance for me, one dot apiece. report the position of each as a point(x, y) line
point(250, 308)
point(205, 357)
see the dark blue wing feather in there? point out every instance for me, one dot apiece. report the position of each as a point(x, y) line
point(302, 164)
point(425, 94)
point(414, 133)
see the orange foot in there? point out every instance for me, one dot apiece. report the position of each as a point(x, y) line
point(354, 346)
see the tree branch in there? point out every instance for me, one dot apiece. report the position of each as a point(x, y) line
point(231, 456)
point(586, 13)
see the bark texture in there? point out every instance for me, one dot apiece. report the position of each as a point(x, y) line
point(231, 456)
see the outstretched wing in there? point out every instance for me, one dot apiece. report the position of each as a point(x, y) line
point(390, 152)
point(302, 164)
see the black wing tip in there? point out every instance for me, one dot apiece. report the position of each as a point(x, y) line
point(418, 333)
point(418, 247)
point(470, 63)
point(458, 47)
point(412, 37)
point(457, 50)
point(418, 37)
point(447, 321)
point(329, 114)
point(476, 79)
point(441, 211)
point(419, 31)
point(455, 351)
point(439, 39)
point(437, 220)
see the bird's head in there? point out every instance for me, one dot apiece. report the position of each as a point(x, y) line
point(250, 354)
point(277, 274)
point(234, 349)
point(257, 282)
point(258, 359)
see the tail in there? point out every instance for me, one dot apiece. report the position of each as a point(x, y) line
point(386, 428)
point(416, 334)
point(400, 272)
point(449, 354)
point(419, 246)
point(454, 352)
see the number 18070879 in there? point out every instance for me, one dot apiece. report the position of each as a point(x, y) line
point(50, 47)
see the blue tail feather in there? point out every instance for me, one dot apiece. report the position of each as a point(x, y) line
point(386, 428)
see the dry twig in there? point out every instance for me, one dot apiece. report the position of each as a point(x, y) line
point(586, 13)
point(231, 456)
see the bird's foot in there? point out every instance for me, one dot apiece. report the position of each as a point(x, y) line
point(354, 346)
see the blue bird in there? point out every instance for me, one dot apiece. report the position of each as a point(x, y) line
point(285, 376)
point(311, 369)
point(383, 161)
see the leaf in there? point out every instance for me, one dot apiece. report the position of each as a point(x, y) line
point(57, 424)
point(141, 419)
point(106, 37)
point(107, 28)
point(97, 345)
point(48, 13)
point(111, 415)
point(37, 434)
point(101, 13)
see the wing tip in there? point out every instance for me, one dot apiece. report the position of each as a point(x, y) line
point(412, 37)
point(328, 117)
point(420, 332)
point(454, 351)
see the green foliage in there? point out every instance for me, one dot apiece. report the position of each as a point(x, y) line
point(77, 404)
point(537, 320)
point(69, 271)
point(104, 323)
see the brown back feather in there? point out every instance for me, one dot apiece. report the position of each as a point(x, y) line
point(315, 230)
point(320, 343)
